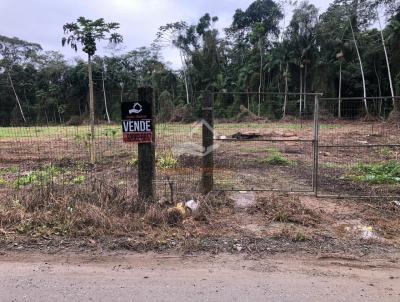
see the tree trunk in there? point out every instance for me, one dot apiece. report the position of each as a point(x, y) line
point(261, 78)
point(16, 97)
point(305, 87)
point(286, 91)
point(91, 110)
point(386, 58)
point(248, 99)
point(105, 98)
point(340, 91)
point(301, 90)
point(361, 68)
point(185, 77)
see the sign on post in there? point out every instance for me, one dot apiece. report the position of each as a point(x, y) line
point(137, 122)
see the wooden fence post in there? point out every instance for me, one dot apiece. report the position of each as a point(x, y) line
point(207, 177)
point(147, 155)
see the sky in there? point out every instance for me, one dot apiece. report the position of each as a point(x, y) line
point(41, 21)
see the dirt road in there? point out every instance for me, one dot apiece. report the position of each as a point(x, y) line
point(151, 277)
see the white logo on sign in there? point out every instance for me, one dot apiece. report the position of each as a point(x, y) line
point(137, 108)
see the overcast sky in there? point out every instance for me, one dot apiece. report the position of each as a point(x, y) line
point(41, 21)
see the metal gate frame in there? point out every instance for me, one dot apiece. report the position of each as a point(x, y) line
point(315, 141)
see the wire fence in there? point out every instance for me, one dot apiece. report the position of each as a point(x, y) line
point(358, 150)
point(292, 143)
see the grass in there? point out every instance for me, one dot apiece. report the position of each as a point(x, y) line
point(331, 165)
point(114, 131)
point(376, 173)
point(9, 170)
point(40, 177)
point(387, 152)
point(276, 158)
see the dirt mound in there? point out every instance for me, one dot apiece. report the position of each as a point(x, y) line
point(245, 115)
point(183, 114)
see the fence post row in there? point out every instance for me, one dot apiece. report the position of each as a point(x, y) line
point(207, 177)
point(147, 154)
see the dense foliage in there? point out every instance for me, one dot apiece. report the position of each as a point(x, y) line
point(313, 52)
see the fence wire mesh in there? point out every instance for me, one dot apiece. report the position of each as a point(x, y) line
point(56, 157)
point(358, 152)
point(259, 144)
point(266, 143)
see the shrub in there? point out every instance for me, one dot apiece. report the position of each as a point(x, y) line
point(276, 158)
point(167, 161)
point(377, 173)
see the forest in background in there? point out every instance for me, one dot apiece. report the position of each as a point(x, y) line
point(341, 52)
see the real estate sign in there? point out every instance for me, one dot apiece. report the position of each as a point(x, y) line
point(137, 122)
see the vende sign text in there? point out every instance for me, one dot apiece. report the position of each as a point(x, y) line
point(137, 122)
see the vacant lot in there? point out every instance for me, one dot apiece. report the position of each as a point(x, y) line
point(50, 196)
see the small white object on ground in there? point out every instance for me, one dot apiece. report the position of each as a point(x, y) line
point(192, 205)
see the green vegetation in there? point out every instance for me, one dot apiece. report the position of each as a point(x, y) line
point(257, 54)
point(167, 161)
point(3, 182)
point(377, 173)
point(276, 158)
point(9, 170)
point(387, 152)
point(133, 162)
point(79, 180)
point(40, 177)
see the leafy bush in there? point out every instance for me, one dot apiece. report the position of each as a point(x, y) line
point(276, 158)
point(377, 173)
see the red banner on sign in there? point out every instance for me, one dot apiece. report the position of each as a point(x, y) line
point(137, 137)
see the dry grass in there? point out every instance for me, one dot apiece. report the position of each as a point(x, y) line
point(281, 208)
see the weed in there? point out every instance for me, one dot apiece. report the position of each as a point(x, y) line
point(40, 177)
point(300, 236)
point(133, 162)
point(79, 179)
point(83, 139)
point(9, 170)
point(167, 161)
point(3, 182)
point(110, 132)
point(386, 152)
point(377, 173)
point(276, 158)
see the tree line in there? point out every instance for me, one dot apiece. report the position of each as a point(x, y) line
point(350, 50)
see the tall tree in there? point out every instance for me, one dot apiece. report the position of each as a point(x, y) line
point(259, 24)
point(86, 32)
point(14, 51)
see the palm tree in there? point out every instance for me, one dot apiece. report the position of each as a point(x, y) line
point(86, 32)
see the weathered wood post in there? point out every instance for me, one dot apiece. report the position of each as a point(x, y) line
point(147, 154)
point(207, 177)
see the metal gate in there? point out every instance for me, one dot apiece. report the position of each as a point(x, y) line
point(263, 146)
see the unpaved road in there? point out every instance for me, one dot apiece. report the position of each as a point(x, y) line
point(152, 277)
